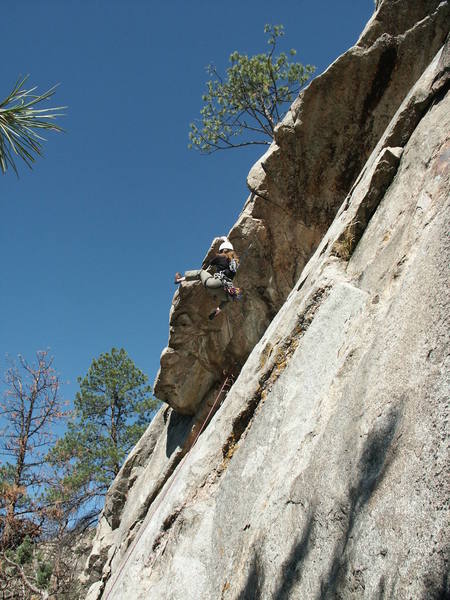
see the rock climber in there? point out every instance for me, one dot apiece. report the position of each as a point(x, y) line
point(218, 284)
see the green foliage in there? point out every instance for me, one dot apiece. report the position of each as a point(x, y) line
point(43, 574)
point(19, 122)
point(6, 478)
point(24, 553)
point(25, 566)
point(112, 410)
point(248, 101)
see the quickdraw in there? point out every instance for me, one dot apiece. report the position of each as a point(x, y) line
point(235, 293)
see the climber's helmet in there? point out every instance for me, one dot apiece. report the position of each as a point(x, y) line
point(226, 245)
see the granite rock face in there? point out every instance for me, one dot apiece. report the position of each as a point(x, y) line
point(297, 187)
point(324, 472)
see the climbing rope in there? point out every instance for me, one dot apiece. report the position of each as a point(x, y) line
point(226, 386)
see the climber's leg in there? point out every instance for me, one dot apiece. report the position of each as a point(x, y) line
point(209, 281)
point(218, 310)
point(214, 313)
point(192, 275)
point(212, 284)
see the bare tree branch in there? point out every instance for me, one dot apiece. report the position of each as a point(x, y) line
point(27, 583)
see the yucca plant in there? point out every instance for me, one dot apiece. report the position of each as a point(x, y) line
point(19, 122)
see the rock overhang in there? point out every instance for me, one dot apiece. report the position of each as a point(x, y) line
point(297, 187)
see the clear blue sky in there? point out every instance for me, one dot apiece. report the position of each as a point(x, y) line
point(91, 237)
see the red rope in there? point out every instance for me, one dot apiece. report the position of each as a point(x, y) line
point(164, 494)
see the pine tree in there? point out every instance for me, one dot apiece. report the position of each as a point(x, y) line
point(112, 410)
point(243, 107)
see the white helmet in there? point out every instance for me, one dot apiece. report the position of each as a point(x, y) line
point(226, 245)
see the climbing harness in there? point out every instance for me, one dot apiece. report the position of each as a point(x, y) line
point(235, 293)
point(224, 280)
point(226, 386)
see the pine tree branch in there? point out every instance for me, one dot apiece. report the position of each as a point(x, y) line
point(27, 583)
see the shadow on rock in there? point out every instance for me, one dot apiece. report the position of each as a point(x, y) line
point(437, 584)
point(178, 430)
point(255, 581)
point(372, 467)
point(291, 571)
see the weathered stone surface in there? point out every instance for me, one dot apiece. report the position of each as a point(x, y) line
point(297, 187)
point(325, 472)
point(137, 485)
